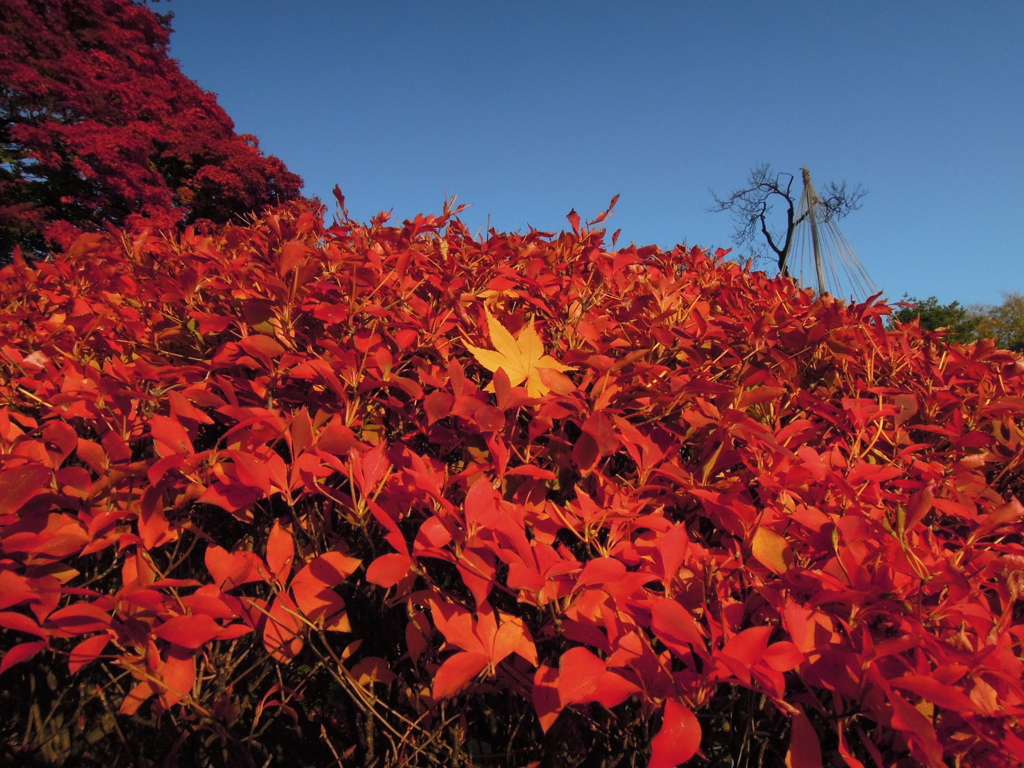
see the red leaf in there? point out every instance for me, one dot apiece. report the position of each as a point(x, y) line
point(233, 631)
point(250, 471)
point(263, 347)
point(79, 618)
point(599, 426)
point(511, 637)
point(280, 553)
point(456, 672)
point(178, 674)
point(369, 468)
point(932, 690)
point(61, 436)
point(919, 505)
point(388, 570)
point(916, 728)
point(21, 652)
point(87, 651)
point(136, 697)
point(301, 432)
point(675, 627)
point(772, 550)
point(586, 453)
point(93, 454)
point(20, 485)
point(804, 748)
point(313, 587)
point(280, 635)
point(672, 547)
point(230, 569)
point(337, 439)
point(326, 571)
point(232, 498)
point(438, 405)
point(574, 220)
point(182, 408)
point(154, 528)
point(783, 656)
point(457, 626)
point(14, 589)
point(579, 672)
point(748, 646)
point(190, 631)
point(679, 737)
point(169, 436)
point(601, 570)
point(613, 689)
point(545, 696)
point(292, 254)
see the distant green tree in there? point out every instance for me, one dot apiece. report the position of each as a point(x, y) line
point(1005, 322)
point(960, 323)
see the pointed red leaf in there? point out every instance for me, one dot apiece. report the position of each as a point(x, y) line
point(190, 631)
point(601, 570)
point(545, 696)
point(388, 570)
point(579, 672)
point(458, 627)
point(937, 693)
point(263, 347)
point(21, 652)
point(916, 728)
point(280, 552)
point(170, 436)
point(136, 697)
point(14, 589)
point(783, 656)
point(251, 471)
point(178, 674)
point(230, 569)
point(574, 220)
point(748, 646)
point(79, 618)
point(613, 689)
point(679, 737)
point(804, 747)
point(513, 637)
point(313, 589)
point(20, 485)
point(280, 634)
point(675, 627)
point(87, 651)
point(456, 672)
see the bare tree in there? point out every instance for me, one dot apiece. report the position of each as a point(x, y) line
point(752, 208)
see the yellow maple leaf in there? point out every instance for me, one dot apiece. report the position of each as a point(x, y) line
point(521, 356)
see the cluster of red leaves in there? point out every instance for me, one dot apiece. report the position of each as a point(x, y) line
point(733, 485)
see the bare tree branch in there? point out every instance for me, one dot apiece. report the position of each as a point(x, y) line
point(753, 210)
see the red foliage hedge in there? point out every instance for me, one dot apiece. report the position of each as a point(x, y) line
point(421, 497)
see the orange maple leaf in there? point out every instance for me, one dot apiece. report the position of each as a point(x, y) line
point(521, 356)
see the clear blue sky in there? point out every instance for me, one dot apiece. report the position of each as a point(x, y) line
point(528, 109)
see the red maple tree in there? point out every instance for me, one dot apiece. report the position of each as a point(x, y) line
point(98, 123)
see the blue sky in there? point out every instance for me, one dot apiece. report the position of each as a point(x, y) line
point(529, 109)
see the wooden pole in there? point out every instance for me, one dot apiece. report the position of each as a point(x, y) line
point(811, 199)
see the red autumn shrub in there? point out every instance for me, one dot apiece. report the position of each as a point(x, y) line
point(372, 495)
